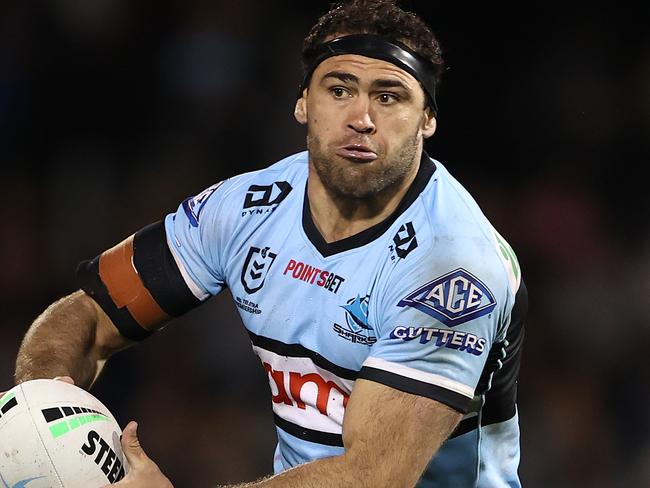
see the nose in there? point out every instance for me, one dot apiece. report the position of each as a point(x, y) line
point(360, 117)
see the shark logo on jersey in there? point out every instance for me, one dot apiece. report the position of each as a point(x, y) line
point(405, 241)
point(194, 205)
point(356, 316)
point(453, 299)
point(265, 196)
point(256, 267)
point(356, 313)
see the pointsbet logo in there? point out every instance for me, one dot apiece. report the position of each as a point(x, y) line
point(313, 275)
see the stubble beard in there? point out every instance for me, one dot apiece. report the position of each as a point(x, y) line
point(350, 180)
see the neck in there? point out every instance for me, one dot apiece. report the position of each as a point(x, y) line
point(338, 216)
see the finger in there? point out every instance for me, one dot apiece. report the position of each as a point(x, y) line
point(131, 447)
point(65, 379)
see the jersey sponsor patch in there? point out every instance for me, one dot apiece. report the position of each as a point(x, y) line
point(256, 267)
point(265, 196)
point(304, 393)
point(453, 299)
point(451, 339)
point(194, 205)
point(313, 275)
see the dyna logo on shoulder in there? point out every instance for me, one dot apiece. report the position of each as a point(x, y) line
point(453, 299)
point(269, 196)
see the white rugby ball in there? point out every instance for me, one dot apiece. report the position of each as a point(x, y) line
point(57, 435)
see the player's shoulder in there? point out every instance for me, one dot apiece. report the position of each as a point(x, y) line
point(291, 168)
point(454, 265)
point(264, 187)
point(462, 236)
point(450, 207)
point(280, 176)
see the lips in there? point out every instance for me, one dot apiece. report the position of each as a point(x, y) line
point(357, 152)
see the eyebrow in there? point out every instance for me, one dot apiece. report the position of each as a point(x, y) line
point(346, 77)
point(342, 76)
point(383, 83)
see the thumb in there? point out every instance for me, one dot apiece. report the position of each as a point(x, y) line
point(131, 447)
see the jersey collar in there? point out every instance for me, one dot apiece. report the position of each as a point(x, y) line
point(426, 170)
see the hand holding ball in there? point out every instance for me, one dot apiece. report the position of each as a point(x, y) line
point(55, 434)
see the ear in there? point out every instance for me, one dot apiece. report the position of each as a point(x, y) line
point(428, 124)
point(300, 112)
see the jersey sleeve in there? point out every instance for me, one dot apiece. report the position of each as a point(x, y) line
point(437, 324)
point(196, 234)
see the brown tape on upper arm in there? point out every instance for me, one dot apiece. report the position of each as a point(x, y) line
point(125, 287)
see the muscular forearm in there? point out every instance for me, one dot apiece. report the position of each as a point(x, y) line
point(384, 448)
point(334, 472)
point(61, 342)
point(376, 462)
point(324, 473)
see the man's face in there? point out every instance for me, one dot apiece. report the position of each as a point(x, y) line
point(366, 121)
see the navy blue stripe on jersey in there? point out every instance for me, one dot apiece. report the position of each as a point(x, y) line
point(501, 398)
point(90, 282)
point(159, 273)
point(426, 170)
point(300, 351)
point(306, 434)
point(465, 426)
point(471, 423)
point(416, 387)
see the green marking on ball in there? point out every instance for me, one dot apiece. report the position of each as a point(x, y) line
point(65, 426)
point(6, 399)
point(57, 430)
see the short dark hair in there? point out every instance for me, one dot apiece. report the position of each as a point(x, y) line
point(381, 17)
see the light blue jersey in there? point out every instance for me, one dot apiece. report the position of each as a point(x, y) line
point(430, 302)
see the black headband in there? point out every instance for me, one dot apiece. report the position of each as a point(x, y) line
point(378, 47)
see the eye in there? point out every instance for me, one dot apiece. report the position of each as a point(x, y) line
point(339, 92)
point(387, 98)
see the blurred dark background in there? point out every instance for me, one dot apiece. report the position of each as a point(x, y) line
point(112, 112)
